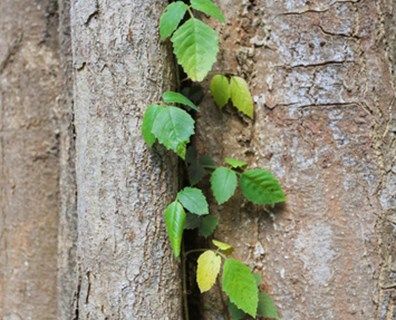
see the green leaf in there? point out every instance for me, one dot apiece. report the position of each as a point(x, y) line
point(240, 286)
point(235, 163)
point(241, 97)
point(173, 128)
point(266, 307)
point(196, 172)
point(148, 120)
point(175, 97)
point(223, 183)
point(261, 187)
point(208, 225)
point(222, 245)
point(192, 221)
point(235, 313)
point(208, 7)
point(193, 200)
point(220, 89)
point(175, 218)
point(195, 45)
point(171, 18)
point(258, 278)
point(207, 270)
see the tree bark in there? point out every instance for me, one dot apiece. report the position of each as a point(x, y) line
point(125, 265)
point(29, 89)
point(321, 75)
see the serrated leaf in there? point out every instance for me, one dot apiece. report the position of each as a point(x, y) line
point(196, 172)
point(220, 89)
point(173, 128)
point(171, 18)
point(235, 313)
point(223, 183)
point(208, 225)
point(266, 307)
point(240, 96)
point(192, 221)
point(195, 45)
point(261, 187)
point(193, 200)
point(175, 97)
point(148, 120)
point(208, 7)
point(195, 166)
point(207, 270)
point(222, 245)
point(240, 286)
point(235, 163)
point(175, 218)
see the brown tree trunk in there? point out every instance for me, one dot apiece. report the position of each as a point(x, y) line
point(125, 265)
point(29, 88)
point(321, 75)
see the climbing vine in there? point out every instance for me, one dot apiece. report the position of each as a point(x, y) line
point(195, 46)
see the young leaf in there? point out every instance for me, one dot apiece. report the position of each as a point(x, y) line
point(261, 187)
point(208, 268)
point(173, 128)
point(148, 120)
point(235, 313)
point(195, 45)
point(193, 200)
point(208, 7)
point(175, 218)
point(220, 89)
point(171, 18)
point(175, 97)
point(266, 307)
point(241, 97)
point(235, 163)
point(222, 245)
point(207, 226)
point(240, 285)
point(223, 183)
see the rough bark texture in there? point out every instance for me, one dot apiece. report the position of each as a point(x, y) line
point(67, 229)
point(125, 265)
point(29, 88)
point(321, 74)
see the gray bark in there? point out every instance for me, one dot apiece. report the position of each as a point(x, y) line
point(125, 266)
point(67, 224)
point(321, 74)
point(29, 89)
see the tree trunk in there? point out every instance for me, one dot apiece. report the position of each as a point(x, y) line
point(321, 75)
point(125, 265)
point(29, 88)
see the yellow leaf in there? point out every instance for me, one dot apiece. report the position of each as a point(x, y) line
point(222, 245)
point(208, 268)
point(241, 97)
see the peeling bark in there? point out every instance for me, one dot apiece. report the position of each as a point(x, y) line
point(321, 75)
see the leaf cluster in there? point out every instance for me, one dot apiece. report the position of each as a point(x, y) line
point(238, 282)
point(235, 89)
point(195, 44)
point(169, 122)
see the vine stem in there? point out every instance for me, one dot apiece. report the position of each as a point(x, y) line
point(184, 276)
point(190, 11)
